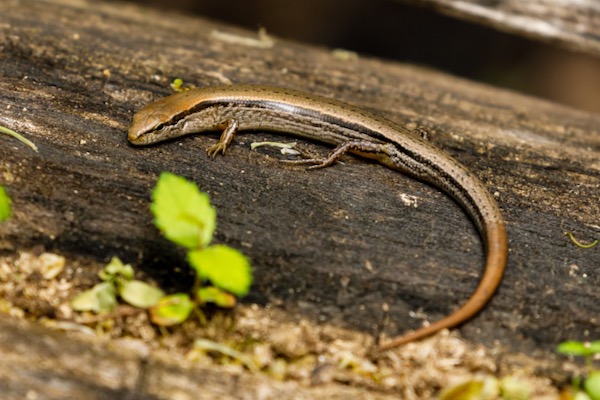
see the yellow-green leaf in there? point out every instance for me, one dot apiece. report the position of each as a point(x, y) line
point(100, 298)
point(225, 267)
point(211, 294)
point(515, 389)
point(5, 209)
point(182, 212)
point(114, 269)
point(140, 294)
point(574, 348)
point(476, 388)
point(171, 310)
point(592, 385)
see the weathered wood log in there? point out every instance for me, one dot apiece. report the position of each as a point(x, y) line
point(40, 364)
point(333, 245)
point(571, 24)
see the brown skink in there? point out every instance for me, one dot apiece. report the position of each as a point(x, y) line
point(252, 107)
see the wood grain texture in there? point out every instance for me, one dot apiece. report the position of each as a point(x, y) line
point(571, 24)
point(39, 364)
point(335, 244)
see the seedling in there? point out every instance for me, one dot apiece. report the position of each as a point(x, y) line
point(5, 209)
point(117, 281)
point(178, 86)
point(185, 217)
point(591, 384)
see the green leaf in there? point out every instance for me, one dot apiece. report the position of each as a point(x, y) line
point(592, 385)
point(514, 389)
point(182, 212)
point(100, 298)
point(225, 267)
point(114, 269)
point(5, 209)
point(469, 390)
point(580, 395)
point(177, 84)
point(172, 309)
point(140, 294)
point(594, 347)
point(476, 388)
point(573, 348)
point(211, 294)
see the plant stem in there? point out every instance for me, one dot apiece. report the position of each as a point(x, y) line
point(18, 136)
point(197, 309)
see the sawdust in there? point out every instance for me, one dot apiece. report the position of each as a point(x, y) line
point(281, 346)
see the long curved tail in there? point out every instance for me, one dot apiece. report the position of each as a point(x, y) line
point(496, 255)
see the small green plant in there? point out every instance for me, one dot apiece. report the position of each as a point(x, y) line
point(487, 387)
point(117, 280)
point(591, 384)
point(185, 217)
point(5, 209)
